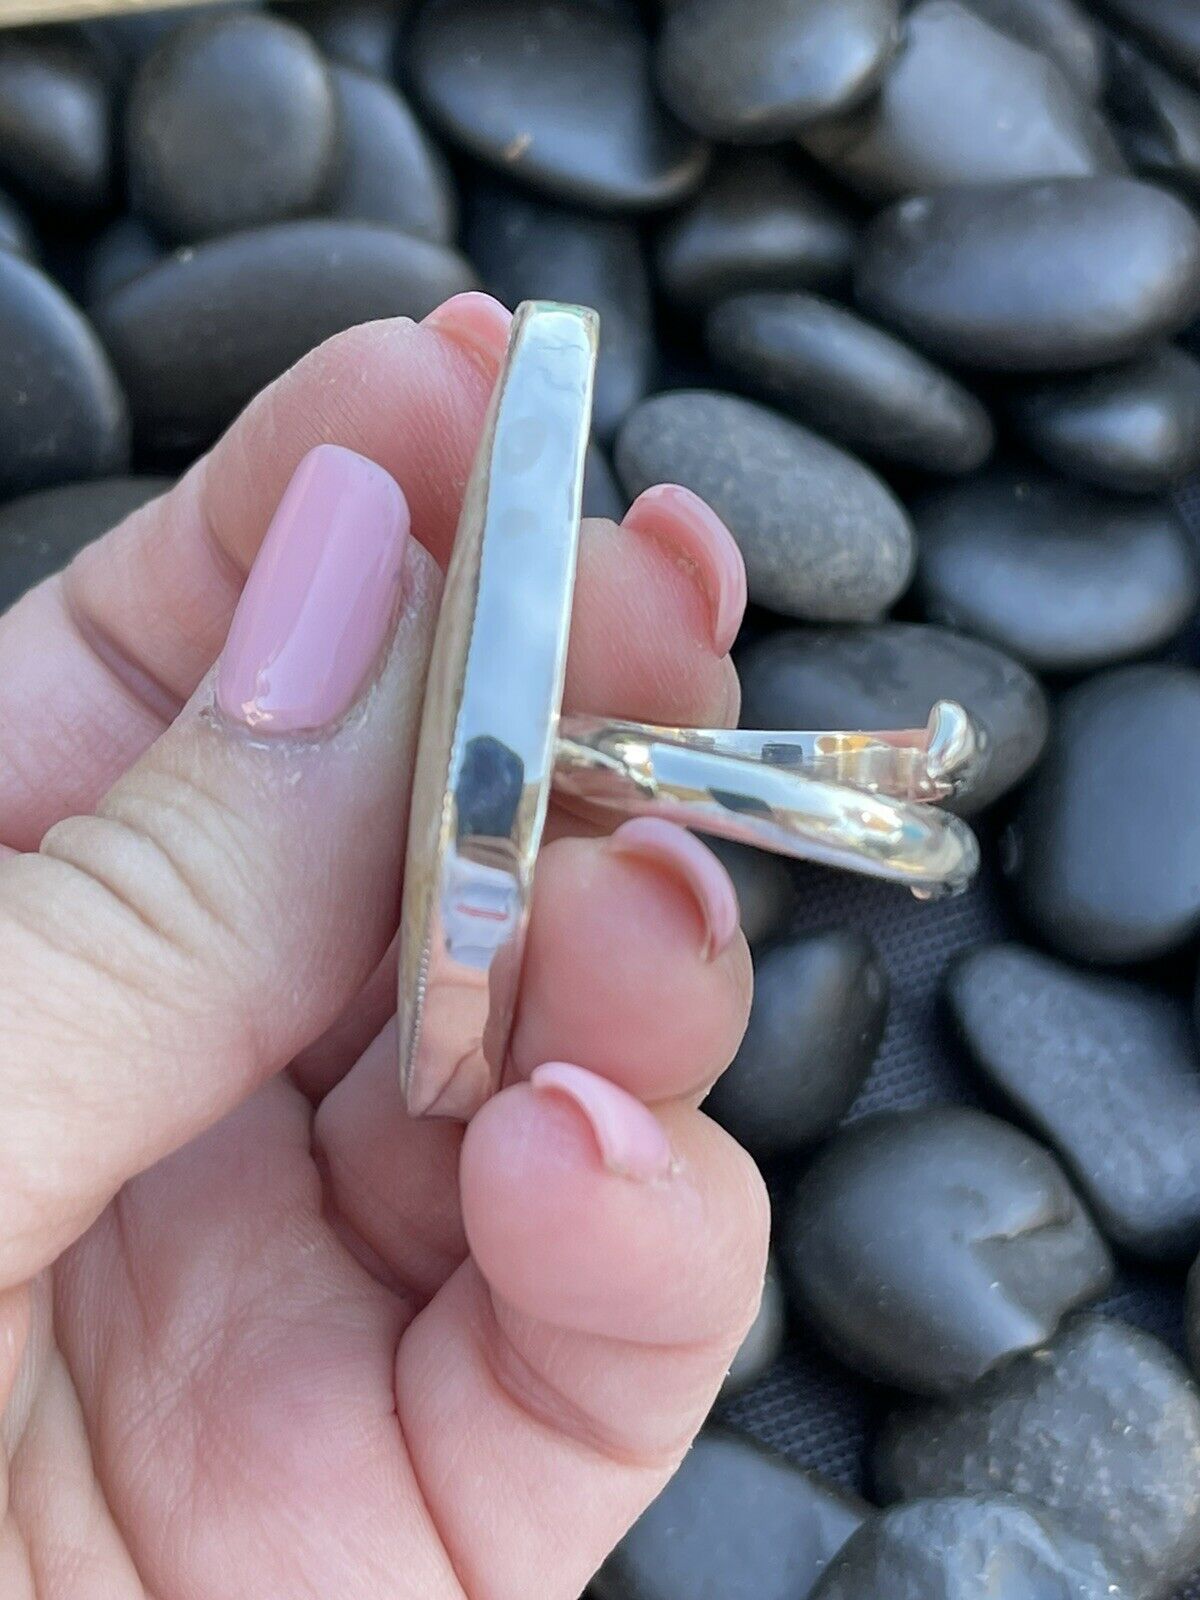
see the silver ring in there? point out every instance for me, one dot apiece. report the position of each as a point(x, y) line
point(494, 743)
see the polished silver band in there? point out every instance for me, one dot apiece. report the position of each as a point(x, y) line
point(493, 743)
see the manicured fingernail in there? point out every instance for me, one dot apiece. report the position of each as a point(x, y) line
point(693, 865)
point(477, 322)
point(705, 545)
point(630, 1138)
point(322, 597)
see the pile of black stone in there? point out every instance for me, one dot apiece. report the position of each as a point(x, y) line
point(954, 240)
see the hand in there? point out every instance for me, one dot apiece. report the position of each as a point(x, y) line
point(260, 1335)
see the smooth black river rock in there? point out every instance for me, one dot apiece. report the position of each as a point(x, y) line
point(1157, 118)
point(966, 1547)
point(890, 676)
point(1134, 428)
point(758, 73)
point(818, 1014)
point(196, 337)
point(117, 254)
point(40, 532)
point(62, 413)
point(55, 123)
point(1102, 1427)
point(849, 380)
point(1107, 1072)
point(1069, 273)
point(557, 94)
point(388, 169)
point(823, 538)
point(364, 34)
point(756, 224)
point(765, 887)
point(1064, 578)
point(231, 123)
point(764, 1342)
point(1061, 29)
point(527, 248)
point(928, 1247)
point(1104, 851)
point(1171, 28)
point(949, 109)
point(15, 232)
point(736, 1522)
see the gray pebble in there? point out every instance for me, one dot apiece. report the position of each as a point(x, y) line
point(1171, 28)
point(62, 413)
point(848, 379)
point(1108, 1072)
point(1104, 851)
point(197, 336)
point(756, 224)
point(760, 73)
point(118, 254)
point(1032, 276)
point(530, 249)
point(889, 676)
point(388, 168)
point(1060, 29)
point(819, 1009)
point(1134, 428)
point(948, 110)
point(1102, 1428)
point(231, 123)
point(822, 537)
point(558, 94)
point(736, 1522)
point(1062, 577)
point(1157, 118)
point(15, 232)
point(55, 123)
point(41, 532)
point(928, 1247)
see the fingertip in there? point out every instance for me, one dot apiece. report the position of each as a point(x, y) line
point(478, 323)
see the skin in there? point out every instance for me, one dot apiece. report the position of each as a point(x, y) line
point(261, 1335)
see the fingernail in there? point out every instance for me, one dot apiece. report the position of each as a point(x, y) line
point(322, 597)
point(693, 865)
point(477, 322)
point(705, 545)
point(630, 1138)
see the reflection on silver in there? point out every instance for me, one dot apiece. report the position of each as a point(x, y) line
point(493, 741)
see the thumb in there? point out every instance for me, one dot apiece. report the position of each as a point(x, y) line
point(234, 890)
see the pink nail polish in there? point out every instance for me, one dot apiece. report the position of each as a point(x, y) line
point(476, 321)
point(322, 597)
point(668, 845)
point(672, 513)
point(630, 1138)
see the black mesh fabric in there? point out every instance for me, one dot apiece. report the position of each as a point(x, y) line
point(807, 1406)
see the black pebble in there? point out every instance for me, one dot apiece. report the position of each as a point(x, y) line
point(763, 882)
point(1105, 851)
point(1062, 577)
point(1169, 27)
point(15, 232)
point(967, 1547)
point(527, 248)
point(736, 1522)
point(756, 224)
point(1034, 276)
point(762, 72)
point(823, 538)
point(557, 94)
point(125, 248)
point(949, 110)
point(1102, 1427)
point(818, 1014)
point(1060, 29)
point(231, 123)
point(388, 169)
point(62, 413)
point(197, 336)
point(1157, 118)
point(848, 379)
point(763, 1344)
point(1134, 428)
point(40, 532)
point(890, 676)
point(602, 494)
point(130, 38)
point(927, 1247)
point(1108, 1072)
point(364, 34)
point(55, 123)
